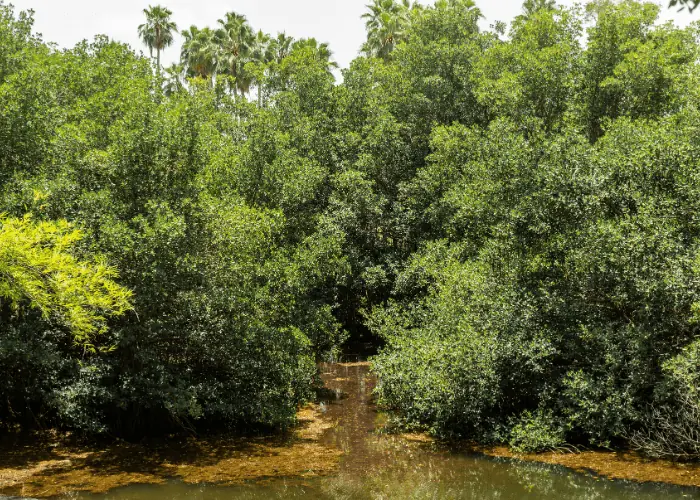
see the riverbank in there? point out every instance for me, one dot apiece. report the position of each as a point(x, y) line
point(625, 466)
point(335, 449)
point(46, 465)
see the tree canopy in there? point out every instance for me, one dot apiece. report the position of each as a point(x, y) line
point(507, 216)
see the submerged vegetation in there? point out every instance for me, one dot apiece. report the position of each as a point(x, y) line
point(512, 213)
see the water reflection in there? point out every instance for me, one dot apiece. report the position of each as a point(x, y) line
point(378, 466)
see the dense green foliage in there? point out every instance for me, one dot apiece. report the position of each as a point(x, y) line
point(206, 206)
point(553, 285)
point(514, 216)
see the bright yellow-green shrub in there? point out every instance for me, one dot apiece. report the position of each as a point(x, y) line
point(39, 270)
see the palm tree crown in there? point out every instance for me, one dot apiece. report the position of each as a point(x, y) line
point(235, 50)
point(158, 30)
point(530, 7)
point(263, 50)
point(200, 52)
point(236, 40)
point(320, 51)
point(281, 46)
point(174, 81)
point(386, 23)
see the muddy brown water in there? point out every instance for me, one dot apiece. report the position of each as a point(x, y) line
point(375, 465)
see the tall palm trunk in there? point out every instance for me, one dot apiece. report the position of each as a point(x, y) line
point(234, 73)
point(158, 46)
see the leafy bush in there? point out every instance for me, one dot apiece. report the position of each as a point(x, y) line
point(535, 432)
point(670, 426)
point(233, 276)
point(565, 222)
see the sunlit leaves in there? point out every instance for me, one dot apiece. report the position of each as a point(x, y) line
point(38, 270)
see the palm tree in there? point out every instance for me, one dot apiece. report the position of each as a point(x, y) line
point(175, 75)
point(262, 49)
point(200, 52)
point(158, 30)
point(530, 7)
point(320, 51)
point(236, 41)
point(386, 23)
point(262, 54)
point(281, 46)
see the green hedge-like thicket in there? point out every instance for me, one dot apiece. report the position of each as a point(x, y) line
point(513, 212)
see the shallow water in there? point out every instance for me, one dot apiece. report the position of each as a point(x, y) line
point(377, 466)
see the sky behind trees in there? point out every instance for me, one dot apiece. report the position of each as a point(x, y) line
point(335, 21)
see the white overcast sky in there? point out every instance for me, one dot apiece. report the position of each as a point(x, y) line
point(338, 22)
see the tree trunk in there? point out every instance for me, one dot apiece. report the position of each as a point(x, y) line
point(158, 47)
